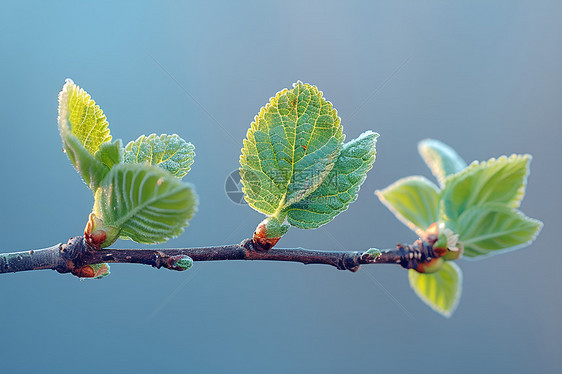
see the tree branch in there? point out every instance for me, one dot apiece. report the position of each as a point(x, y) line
point(76, 253)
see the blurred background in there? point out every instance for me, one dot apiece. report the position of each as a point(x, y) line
point(484, 77)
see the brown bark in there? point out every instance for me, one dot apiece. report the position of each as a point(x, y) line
point(76, 253)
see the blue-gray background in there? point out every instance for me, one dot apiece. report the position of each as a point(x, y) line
point(485, 78)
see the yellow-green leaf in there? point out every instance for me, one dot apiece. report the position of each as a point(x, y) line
point(440, 158)
point(440, 290)
point(494, 228)
point(85, 135)
point(499, 180)
point(80, 116)
point(413, 200)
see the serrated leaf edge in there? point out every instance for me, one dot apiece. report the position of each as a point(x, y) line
point(161, 137)
point(516, 201)
point(62, 119)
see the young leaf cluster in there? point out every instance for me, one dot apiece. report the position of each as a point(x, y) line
point(475, 207)
point(137, 190)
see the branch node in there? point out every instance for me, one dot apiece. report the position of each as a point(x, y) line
point(159, 259)
point(248, 245)
point(411, 255)
point(71, 254)
point(264, 244)
point(350, 261)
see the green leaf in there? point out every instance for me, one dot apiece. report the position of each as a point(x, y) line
point(93, 168)
point(494, 228)
point(144, 203)
point(110, 153)
point(90, 168)
point(80, 116)
point(169, 152)
point(440, 290)
point(290, 148)
point(494, 181)
point(84, 133)
point(440, 158)
point(413, 200)
point(340, 187)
